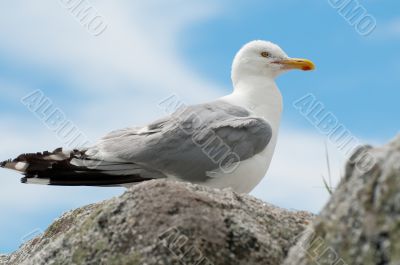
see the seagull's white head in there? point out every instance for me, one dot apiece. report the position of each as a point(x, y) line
point(264, 59)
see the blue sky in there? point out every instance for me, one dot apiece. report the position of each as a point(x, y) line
point(151, 50)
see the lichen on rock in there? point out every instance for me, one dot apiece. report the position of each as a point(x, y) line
point(361, 223)
point(164, 222)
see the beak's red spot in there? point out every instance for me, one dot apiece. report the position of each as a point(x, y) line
point(306, 68)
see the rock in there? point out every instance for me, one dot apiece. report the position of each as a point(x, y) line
point(164, 222)
point(3, 259)
point(361, 223)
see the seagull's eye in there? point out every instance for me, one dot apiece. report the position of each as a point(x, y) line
point(265, 54)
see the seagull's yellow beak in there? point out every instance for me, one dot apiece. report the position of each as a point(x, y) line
point(296, 63)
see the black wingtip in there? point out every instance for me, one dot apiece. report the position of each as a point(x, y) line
point(4, 163)
point(24, 180)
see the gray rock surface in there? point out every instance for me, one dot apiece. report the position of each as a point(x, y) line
point(3, 259)
point(361, 223)
point(161, 222)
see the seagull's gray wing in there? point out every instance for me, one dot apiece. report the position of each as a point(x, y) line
point(188, 144)
point(191, 142)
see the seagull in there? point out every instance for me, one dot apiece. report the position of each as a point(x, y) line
point(225, 143)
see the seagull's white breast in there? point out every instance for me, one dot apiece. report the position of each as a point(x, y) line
point(263, 99)
point(247, 174)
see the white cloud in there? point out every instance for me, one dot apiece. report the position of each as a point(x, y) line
point(129, 68)
point(139, 48)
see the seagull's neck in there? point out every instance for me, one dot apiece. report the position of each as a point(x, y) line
point(260, 95)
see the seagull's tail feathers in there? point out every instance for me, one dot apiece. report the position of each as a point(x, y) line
point(75, 168)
